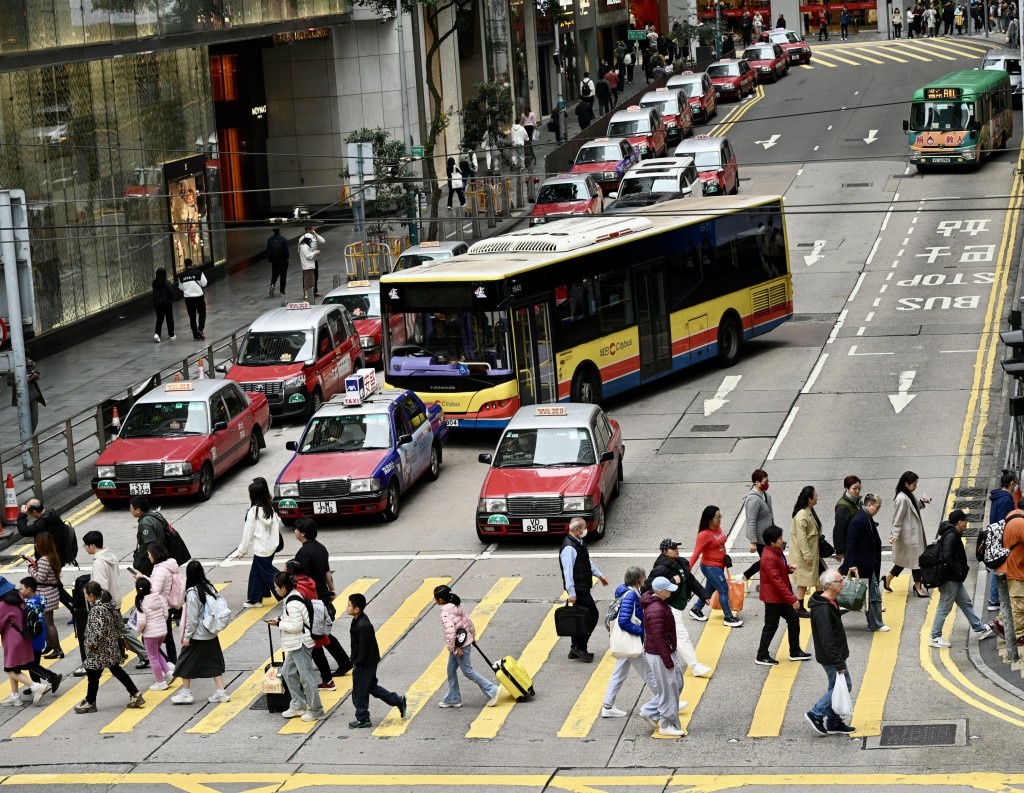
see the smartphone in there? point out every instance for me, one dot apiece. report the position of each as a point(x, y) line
point(133, 571)
point(28, 559)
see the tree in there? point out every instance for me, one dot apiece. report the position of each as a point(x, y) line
point(393, 190)
point(487, 117)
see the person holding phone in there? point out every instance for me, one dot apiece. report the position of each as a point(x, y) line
point(907, 538)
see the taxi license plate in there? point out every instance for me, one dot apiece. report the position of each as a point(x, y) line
point(535, 525)
point(451, 422)
point(942, 159)
point(139, 489)
point(325, 507)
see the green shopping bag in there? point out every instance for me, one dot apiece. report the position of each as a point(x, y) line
point(855, 592)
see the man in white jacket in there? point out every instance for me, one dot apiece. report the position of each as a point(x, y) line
point(313, 241)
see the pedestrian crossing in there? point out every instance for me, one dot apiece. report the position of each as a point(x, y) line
point(729, 653)
point(896, 51)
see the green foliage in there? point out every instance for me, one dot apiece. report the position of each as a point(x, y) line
point(391, 176)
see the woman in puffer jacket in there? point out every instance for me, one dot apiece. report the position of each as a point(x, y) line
point(454, 618)
point(152, 611)
point(631, 620)
point(261, 536)
point(164, 568)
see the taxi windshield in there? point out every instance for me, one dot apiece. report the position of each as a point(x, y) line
point(932, 116)
point(792, 38)
point(630, 126)
point(703, 158)
point(562, 191)
point(689, 89)
point(170, 419)
point(446, 343)
point(359, 304)
point(347, 433)
point(759, 54)
point(724, 70)
point(666, 106)
point(1009, 65)
point(542, 448)
point(608, 153)
point(268, 349)
point(666, 183)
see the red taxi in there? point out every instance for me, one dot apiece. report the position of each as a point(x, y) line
point(362, 299)
point(733, 78)
point(699, 91)
point(567, 194)
point(792, 43)
point(553, 463)
point(769, 61)
point(606, 159)
point(675, 111)
point(180, 436)
point(298, 356)
point(643, 127)
point(716, 163)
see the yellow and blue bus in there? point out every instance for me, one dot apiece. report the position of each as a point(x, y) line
point(585, 308)
point(960, 119)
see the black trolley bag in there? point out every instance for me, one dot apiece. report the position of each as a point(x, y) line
point(278, 701)
point(511, 675)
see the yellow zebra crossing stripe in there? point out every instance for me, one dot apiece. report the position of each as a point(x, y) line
point(927, 50)
point(584, 712)
point(427, 684)
point(388, 635)
point(18, 562)
point(866, 55)
point(910, 52)
point(873, 692)
point(881, 54)
point(250, 688)
point(777, 689)
point(819, 55)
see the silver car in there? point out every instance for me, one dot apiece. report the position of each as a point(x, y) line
point(1009, 62)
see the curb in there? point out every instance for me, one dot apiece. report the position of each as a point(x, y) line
point(974, 653)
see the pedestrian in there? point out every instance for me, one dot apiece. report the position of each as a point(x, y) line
point(306, 587)
point(630, 618)
point(33, 518)
point(518, 138)
point(298, 672)
point(930, 20)
point(18, 655)
point(758, 25)
point(777, 595)
point(192, 283)
point(612, 78)
point(911, 21)
point(759, 515)
point(529, 121)
point(315, 241)
point(628, 60)
point(152, 614)
point(863, 557)
point(152, 527)
point(948, 14)
point(584, 114)
point(710, 547)
point(844, 23)
point(587, 89)
point(958, 19)
point(846, 508)
point(831, 651)
point(201, 653)
point(307, 261)
point(103, 649)
point(1002, 505)
point(805, 532)
point(32, 602)
point(1013, 541)
point(166, 581)
point(952, 553)
point(316, 564)
point(46, 569)
point(35, 394)
point(907, 538)
point(163, 300)
point(578, 573)
point(780, 23)
point(365, 658)
point(897, 22)
point(660, 654)
point(277, 253)
point(747, 28)
point(261, 535)
point(669, 565)
point(459, 636)
point(604, 96)
point(1013, 33)
point(822, 25)
point(455, 183)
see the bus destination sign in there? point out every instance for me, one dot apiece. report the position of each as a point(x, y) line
point(942, 93)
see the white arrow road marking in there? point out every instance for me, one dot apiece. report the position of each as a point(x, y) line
point(902, 399)
point(770, 142)
point(872, 136)
point(813, 256)
point(719, 399)
point(853, 351)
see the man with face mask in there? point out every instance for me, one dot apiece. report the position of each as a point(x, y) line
point(759, 514)
point(578, 573)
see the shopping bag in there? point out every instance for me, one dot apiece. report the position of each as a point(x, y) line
point(841, 702)
point(736, 593)
point(624, 644)
point(272, 682)
point(855, 592)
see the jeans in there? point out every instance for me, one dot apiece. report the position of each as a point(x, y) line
point(261, 577)
point(621, 671)
point(299, 675)
point(949, 593)
point(823, 707)
point(196, 307)
point(586, 600)
point(93, 684)
point(715, 577)
point(364, 683)
point(993, 589)
point(463, 662)
point(875, 620)
point(773, 612)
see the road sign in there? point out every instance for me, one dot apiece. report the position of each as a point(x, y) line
point(417, 151)
point(637, 35)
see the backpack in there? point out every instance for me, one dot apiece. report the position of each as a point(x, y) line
point(69, 546)
point(176, 597)
point(611, 616)
point(990, 549)
point(175, 545)
point(934, 572)
point(32, 622)
point(320, 621)
point(277, 247)
point(585, 91)
point(216, 614)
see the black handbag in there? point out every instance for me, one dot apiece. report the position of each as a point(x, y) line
point(825, 550)
point(571, 620)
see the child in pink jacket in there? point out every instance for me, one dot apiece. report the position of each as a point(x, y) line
point(455, 621)
point(152, 609)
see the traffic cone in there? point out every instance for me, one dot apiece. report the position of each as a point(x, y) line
point(115, 421)
point(10, 502)
point(177, 377)
point(200, 370)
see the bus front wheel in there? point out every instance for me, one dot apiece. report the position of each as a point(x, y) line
point(586, 386)
point(730, 339)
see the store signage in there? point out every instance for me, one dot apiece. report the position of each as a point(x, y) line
point(301, 35)
point(259, 111)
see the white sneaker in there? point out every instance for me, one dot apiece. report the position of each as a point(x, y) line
point(156, 337)
point(248, 605)
point(884, 629)
point(160, 686)
point(938, 641)
point(307, 716)
point(219, 696)
point(173, 338)
point(494, 700)
point(682, 705)
point(672, 732)
point(993, 607)
point(183, 697)
point(13, 701)
point(170, 671)
point(291, 714)
point(700, 670)
point(613, 713)
point(38, 690)
point(443, 704)
point(733, 623)
point(984, 633)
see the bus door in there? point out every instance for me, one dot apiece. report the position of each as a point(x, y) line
point(653, 324)
point(535, 354)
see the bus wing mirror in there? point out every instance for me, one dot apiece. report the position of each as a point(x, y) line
point(906, 125)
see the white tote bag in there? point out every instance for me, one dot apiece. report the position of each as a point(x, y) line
point(624, 644)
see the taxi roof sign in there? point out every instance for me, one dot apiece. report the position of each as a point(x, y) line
point(294, 306)
point(430, 244)
point(633, 107)
point(549, 410)
point(600, 140)
point(357, 283)
point(702, 137)
point(183, 386)
point(688, 72)
point(659, 90)
point(360, 386)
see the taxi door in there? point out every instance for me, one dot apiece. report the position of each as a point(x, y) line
point(325, 370)
point(406, 466)
point(601, 431)
point(240, 422)
point(658, 137)
point(710, 100)
point(224, 436)
point(422, 437)
point(730, 167)
point(346, 343)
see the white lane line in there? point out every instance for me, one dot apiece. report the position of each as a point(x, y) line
point(817, 147)
point(738, 525)
point(905, 242)
point(783, 432)
point(835, 328)
point(877, 301)
point(856, 288)
point(873, 249)
point(900, 254)
point(948, 351)
point(815, 372)
point(870, 316)
point(895, 264)
point(853, 351)
point(830, 126)
point(885, 220)
point(913, 220)
point(910, 230)
point(884, 286)
point(800, 172)
point(889, 276)
point(860, 331)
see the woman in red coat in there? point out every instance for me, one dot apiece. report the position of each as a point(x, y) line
point(779, 600)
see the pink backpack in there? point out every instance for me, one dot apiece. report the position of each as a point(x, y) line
point(176, 597)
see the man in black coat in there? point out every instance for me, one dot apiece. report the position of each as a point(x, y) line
point(953, 555)
point(365, 657)
point(34, 518)
point(677, 570)
point(316, 564)
point(831, 651)
point(863, 556)
point(584, 113)
point(277, 252)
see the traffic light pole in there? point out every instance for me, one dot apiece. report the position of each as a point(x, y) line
point(8, 254)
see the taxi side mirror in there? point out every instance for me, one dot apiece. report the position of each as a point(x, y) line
point(220, 426)
point(485, 458)
point(613, 194)
point(221, 367)
point(906, 125)
point(607, 456)
point(291, 446)
point(404, 439)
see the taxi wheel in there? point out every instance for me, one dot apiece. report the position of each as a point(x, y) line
point(434, 471)
point(390, 512)
point(205, 482)
point(253, 456)
point(316, 401)
point(599, 523)
point(730, 339)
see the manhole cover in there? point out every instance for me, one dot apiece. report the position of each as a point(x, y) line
point(856, 184)
point(918, 735)
point(260, 703)
point(709, 428)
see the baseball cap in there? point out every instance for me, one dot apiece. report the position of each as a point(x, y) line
point(668, 544)
point(956, 516)
point(661, 582)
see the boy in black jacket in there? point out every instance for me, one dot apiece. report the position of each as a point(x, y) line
point(365, 657)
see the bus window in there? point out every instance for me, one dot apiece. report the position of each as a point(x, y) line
point(597, 305)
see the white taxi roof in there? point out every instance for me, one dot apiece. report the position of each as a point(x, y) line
point(624, 115)
point(200, 391)
point(576, 414)
point(285, 319)
point(354, 288)
point(660, 95)
point(687, 78)
point(562, 178)
point(602, 142)
point(376, 402)
point(700, 144)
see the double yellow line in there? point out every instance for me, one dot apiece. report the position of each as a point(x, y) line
point(736, 113)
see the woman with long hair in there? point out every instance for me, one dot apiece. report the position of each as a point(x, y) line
point(163, 300)
point(455, 620)
point(710, 548)
point(804, 532)
point(103, 648)
point(201, 655)
point(907, 538)
point(47, 567)
point(261, 535)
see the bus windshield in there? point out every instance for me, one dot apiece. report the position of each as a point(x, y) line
point(935, 116)
point(453, 342)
